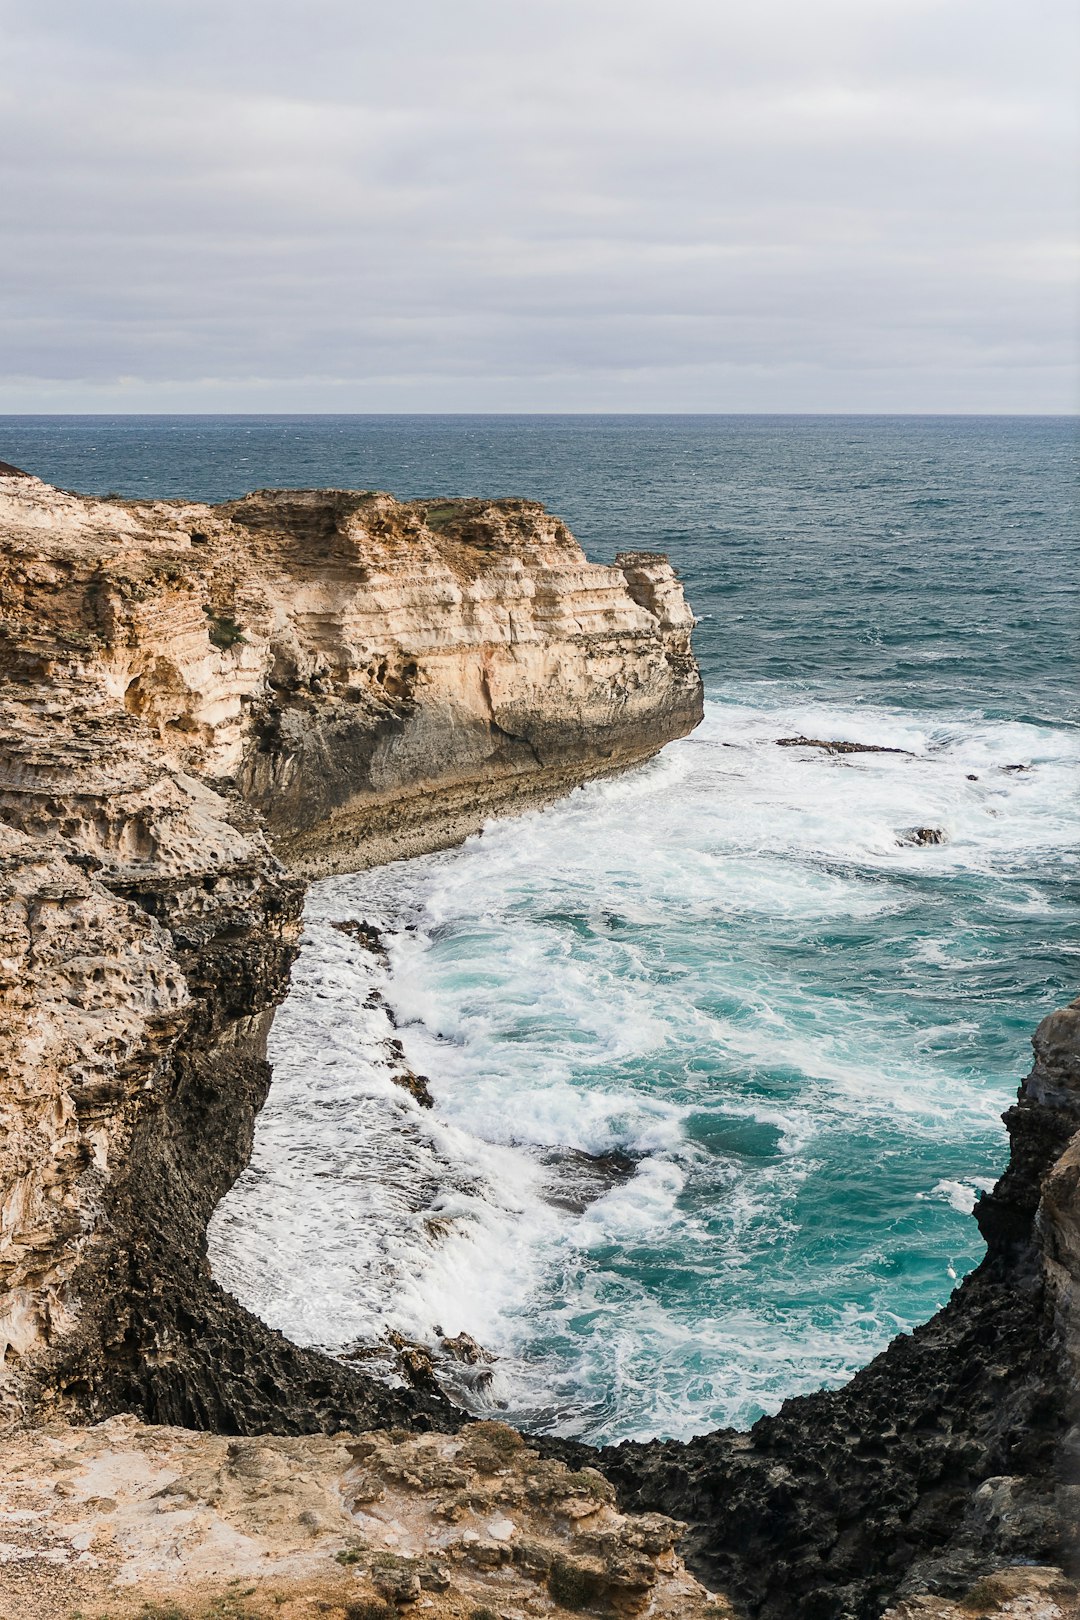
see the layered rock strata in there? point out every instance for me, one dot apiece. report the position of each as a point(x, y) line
point(194, 697)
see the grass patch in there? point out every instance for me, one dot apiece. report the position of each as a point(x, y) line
point(224, 632)
point(437, 517)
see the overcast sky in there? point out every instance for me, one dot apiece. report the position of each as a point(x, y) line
point(440, 205)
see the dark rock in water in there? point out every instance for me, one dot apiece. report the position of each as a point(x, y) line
point(415, 1362)
point(833, 747)
point(469, 1373)
point(1017, 767)
point(465, 1348)
point(972, 777)
point(923, 835)
point(417, 1085)
point(365, 934)
point(581, 1178)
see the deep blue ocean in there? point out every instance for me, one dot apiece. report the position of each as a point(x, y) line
point(728, 965)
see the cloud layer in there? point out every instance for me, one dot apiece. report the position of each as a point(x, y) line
point(548, 205)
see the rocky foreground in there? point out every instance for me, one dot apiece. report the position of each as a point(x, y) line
point(123, 1519)
point(202, 707)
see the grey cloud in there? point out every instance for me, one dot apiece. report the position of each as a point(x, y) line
point(850, 204)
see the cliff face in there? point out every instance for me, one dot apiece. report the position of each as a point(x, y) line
point(191, 696)
point(375, 678)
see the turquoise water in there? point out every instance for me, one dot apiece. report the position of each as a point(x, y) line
point(726, 965)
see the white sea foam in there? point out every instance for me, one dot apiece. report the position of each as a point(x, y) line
point(726, 964)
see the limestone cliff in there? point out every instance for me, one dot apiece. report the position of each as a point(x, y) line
point(204, 705)
point(193, 696)
point(375, 678)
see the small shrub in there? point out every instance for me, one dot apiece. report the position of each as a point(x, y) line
point(572, 1585)
point(437, 517)
point(369, 1609)
point(224, 632)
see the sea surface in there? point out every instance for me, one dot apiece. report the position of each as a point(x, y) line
point(791, 1032)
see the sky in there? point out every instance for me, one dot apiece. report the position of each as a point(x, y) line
point(538, 205)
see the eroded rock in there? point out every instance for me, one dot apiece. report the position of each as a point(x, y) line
point(336, 1525)
point(192, 693)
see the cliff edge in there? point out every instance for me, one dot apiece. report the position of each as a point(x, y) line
point(201, 706)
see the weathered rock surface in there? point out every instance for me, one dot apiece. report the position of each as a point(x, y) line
point(122, 1518)
point(1023, 1591)
point(191, 694)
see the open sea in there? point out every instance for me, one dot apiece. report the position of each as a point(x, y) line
point(793, 1033)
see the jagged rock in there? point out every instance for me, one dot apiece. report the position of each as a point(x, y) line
point(465, 1348)
point(415, 1362)
point(953, 1453)
point(923, 835)
point(834, 747)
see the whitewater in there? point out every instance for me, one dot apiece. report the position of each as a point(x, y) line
point(718, 1054)
point(731, 968)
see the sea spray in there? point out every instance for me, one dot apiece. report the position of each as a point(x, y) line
point(733, 968)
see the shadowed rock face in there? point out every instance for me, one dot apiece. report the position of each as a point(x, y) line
point(191, 694)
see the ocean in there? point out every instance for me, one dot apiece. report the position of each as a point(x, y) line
point(790, 1031)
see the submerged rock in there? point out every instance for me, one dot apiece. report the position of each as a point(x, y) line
point(834, 747)
point(365, 934)
point(580, 1178)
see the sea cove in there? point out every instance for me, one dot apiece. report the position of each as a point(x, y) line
point(729, 965)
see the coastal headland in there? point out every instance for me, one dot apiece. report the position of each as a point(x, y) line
point(203, 708)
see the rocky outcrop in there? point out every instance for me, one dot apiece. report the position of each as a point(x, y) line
point(200, 706)
point(125, 1522)
point(955, 1454)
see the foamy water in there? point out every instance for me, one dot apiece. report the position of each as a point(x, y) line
point(725, 965)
